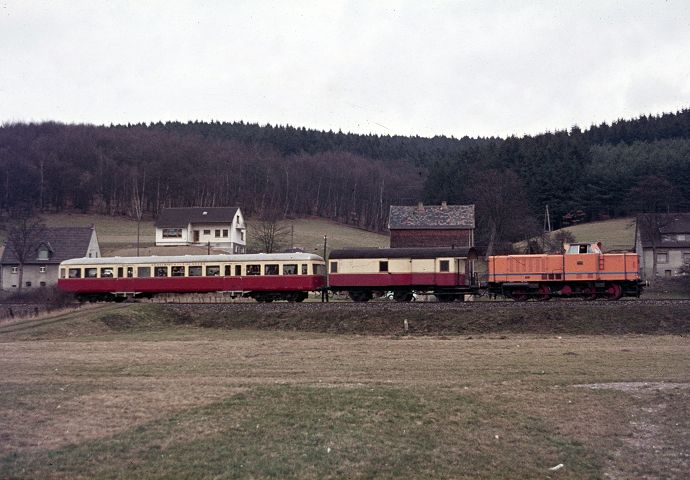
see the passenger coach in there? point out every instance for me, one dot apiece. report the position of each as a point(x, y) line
point(365, 273)
point(264, 277)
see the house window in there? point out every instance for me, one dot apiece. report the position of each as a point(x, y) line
point(225, 233)
point(15, 269)
point(242, 235)
point(43, 254)
point(686, 258)
point(334, 267)
point(271, 269)
point(43, 284)
point(668, 273)
point(172, 233)
point(662, 257)
point(42, 269)
point(217, 233)
point(681, 237)
point(667, 237)
point(28, 284)
point(383, 266)
point(195, 271)
point(444, 266)
point(207, 232)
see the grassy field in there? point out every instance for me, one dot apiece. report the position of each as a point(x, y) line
point(135, 392)
point(117, 235)
point(618, 234)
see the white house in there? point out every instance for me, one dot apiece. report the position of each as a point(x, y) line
point(663, 241)
point(221, 227)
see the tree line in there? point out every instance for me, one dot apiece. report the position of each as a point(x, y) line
point(605, 171)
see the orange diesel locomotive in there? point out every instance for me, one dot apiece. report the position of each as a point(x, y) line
point(581, 271)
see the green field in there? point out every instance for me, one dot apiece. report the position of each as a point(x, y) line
point(139, 391)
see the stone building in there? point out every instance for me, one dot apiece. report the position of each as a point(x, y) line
point(431, 226)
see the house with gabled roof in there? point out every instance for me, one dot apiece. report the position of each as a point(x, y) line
point(41, 268)
point(220, 227)
point(662, 240)
point(431, 226)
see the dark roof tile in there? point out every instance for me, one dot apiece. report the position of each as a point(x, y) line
point(181, 217)
point(64, 243)
point(431, 216)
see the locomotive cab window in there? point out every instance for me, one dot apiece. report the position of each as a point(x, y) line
point(271, 269)
point(253, 269)
point(290, 269)
point(383, 266)
point(212, 270)
point(444, 266)
point(143, 272)
point(195, 271)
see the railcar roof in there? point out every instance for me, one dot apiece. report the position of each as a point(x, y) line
point(401, 253)
point(261, 257)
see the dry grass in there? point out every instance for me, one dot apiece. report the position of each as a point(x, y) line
point(618, 234)
point(185, 402)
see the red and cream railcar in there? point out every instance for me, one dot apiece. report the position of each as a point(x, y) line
point(582, 271)
point(264, 277)
point(368, 272)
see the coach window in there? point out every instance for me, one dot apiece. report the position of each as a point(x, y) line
point(444, 266)
point(62, 273)
point(305, 269)
point(161, 271)
point(195, 271)
point(75, 273)
point(238, 270)
point(383, 266)
point(271, 269)
point(177, 271)
point(143, 272)
point(90, 273)
point(130, 272)
point(106, 272)
point(253, 269)
point(212, 270)
point(227, 270)
point(290, 269)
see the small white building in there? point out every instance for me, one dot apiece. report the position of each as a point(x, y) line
point(221, 227)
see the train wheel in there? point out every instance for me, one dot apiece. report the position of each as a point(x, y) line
point(544, 293)
point(302, 296)
point(589, 293)
point(361, 296)
point(519, 295)
point(403, 296)
point(614, 291)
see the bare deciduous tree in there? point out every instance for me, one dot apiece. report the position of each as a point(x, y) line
point(25, 233)
point(270, 232)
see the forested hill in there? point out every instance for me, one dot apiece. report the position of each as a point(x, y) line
point(607, 170)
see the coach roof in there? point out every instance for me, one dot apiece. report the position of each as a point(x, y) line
point(261, 257)
point(416, 253)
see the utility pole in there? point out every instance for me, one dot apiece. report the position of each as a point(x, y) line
point(547, 220)
point(324, 290)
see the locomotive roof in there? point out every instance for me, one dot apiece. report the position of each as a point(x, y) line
point(402, 253)
point(260, 257)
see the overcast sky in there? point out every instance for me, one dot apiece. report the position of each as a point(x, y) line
point(476, 68)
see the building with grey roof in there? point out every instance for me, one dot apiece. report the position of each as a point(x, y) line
point(431, 226)
point(41, 269)
point(221, 227)
point(662, 240)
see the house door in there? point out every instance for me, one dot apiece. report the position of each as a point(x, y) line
point(196, 236)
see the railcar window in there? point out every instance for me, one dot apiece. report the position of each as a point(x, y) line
point(130, 272)
point(253, 269)
point(90, 273)
point(383, 266)
point(62, 273)
point(177, 271)
point(318, 269)
point(238, 270)
point(106, 272)
point(143, 272)
point(161, 271)
point(75, 273)
point(444, 266)
point(304, 269)
point(227, 270)
point(334, 268)
point(290, 269)
point(212, 270)
point(271, 269)
point(195, 271)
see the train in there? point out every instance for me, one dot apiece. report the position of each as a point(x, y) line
point(582, 270)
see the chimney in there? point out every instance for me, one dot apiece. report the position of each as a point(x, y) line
point(444, 205)
point(420, 207)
